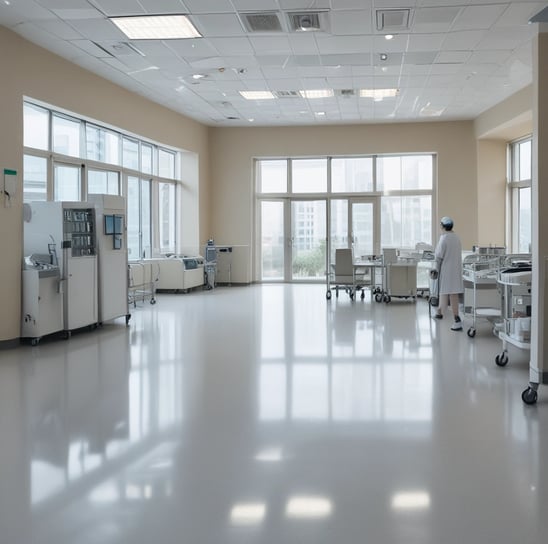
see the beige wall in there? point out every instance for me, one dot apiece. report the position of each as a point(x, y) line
point(33, 72)
point(233, 151)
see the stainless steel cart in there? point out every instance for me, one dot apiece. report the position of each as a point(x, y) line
point(514, 279)
point(481, 289)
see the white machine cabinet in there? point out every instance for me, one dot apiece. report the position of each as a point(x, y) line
point(70, 228)
point(110, 213)
point(42, 308)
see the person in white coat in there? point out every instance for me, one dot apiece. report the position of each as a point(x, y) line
point(449, 263)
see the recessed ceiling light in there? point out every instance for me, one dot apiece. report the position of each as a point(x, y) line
point(384, 56)
point(198, 76)
point(389, 36)
point(7, 2)
point(156, 27)
point(319, 93)
point(320, 113)
point(379, 93)
point(257, 95)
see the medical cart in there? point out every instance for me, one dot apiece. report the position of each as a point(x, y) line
point(481, 289)
point(514, 279)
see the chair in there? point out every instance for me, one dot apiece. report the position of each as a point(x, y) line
point(343, 274)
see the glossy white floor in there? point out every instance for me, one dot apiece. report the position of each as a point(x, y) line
point(267, 414)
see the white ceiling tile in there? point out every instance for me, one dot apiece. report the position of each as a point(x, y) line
point(483, 57)
point(71, 14)
point(98, 30)
point(219, 25)
point(232, 46)
point(351, 4)
point(266, 45)
point(480, 16)
point(192, 48)
point(303, 43)
point(463, 40)
point(304, 4)
point(437, 19)
point(452, 57)
point(158, 7)
point(344, 23)
point(91, 48)
point(395, 45)
point(120, 7)
point(255, 5)
point(500, 38)
point(59, 29)
point(209, 6)
point(343, 44)
point(425, 42)
point(64, 4)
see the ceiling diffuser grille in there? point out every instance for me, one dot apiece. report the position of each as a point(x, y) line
point(263, 21)
point(287, 94)
point(393, 19)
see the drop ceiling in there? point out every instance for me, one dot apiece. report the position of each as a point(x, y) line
point(450, 59)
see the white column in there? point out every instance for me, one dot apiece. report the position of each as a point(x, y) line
point(539, 336)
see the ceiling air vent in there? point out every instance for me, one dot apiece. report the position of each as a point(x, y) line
point(264, 21)
point(307, 21)
point(345, 93)
point(287, 94)
point(393, 20)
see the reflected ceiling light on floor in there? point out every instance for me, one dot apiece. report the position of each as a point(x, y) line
point(303, 507)
point(412, 500)
point(379, 93)
point(271, 455)
point(317, 93)
point(156, 27)
point(251, 513)
point(257, 95)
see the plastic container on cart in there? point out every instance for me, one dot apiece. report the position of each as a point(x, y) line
point(481, 289)
point(515, 329)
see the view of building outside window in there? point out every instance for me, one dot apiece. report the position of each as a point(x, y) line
point(520, 191)
point(35, 178)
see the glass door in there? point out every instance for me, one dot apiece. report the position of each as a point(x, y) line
point(272, 250)
point(308, 239)
point(362, 224)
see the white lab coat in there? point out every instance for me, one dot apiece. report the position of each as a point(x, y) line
point(449, 259)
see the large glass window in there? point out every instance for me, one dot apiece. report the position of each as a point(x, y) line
point(519, 184)
point(139, 239)
point(36, 127)
point(66, 182)
point(373, 202)
point(352, 175)
point(66, 136)
point(102, 145)
point(166, 164)
point(50, 171)
point(166, 209)
point(130, 153)
point(103, 182)
point(272, 176)
point(35, 178)
point(309, 175)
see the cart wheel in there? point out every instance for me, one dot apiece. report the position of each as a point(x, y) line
point(34, 341)
point(471, 332)
point(502, 359)
point(153, 301)
point(529, 396)
point(328, 294)
point(378, 297)
point(65, 335)
point(387, 299)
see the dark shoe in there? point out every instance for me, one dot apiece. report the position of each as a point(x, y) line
point(438, 316)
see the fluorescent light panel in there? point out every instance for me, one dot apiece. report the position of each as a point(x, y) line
point(318, 93)
point(379, 93)
point(156, 27)
point(257, 95)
